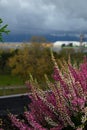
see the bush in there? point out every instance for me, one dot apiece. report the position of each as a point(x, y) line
point(63, 106)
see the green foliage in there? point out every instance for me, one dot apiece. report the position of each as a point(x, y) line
point(4, 56)
point(65, 53)
point(3, 29)
point(34, 59)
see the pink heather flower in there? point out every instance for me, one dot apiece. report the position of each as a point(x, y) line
point(32, 121)
point(59, 127)
point(81, 102)
point(78, 102)
point(58, 77)
point(18, 123)
point(68, 96)
point(73, 72)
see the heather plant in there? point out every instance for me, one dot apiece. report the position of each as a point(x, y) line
point(63, 106)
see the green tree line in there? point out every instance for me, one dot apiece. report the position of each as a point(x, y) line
point(34, 59)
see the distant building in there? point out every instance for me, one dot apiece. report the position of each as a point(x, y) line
point(58, 45)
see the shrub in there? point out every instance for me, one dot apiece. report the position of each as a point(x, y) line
point(63, 106)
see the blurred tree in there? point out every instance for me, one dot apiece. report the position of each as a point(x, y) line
point(76, 57)
point(3, 29)
point(70, 45)
point(63, 45)
point(4, 56)
point(38, 39)
point(34, 59)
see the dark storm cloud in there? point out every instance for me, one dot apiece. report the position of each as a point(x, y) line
point(44, 15)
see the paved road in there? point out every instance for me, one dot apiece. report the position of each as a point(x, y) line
point(14, 104)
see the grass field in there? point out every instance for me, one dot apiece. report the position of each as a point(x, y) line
point(9, 80)
point(11, 85)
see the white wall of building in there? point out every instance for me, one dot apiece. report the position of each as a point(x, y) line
point(57, 46)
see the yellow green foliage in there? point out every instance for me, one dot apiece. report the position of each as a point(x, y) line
point(33, 59)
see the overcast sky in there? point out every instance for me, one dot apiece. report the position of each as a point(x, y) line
point(28, 16)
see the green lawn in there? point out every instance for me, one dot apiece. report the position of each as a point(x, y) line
point(9, 80)
point(11, 85)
